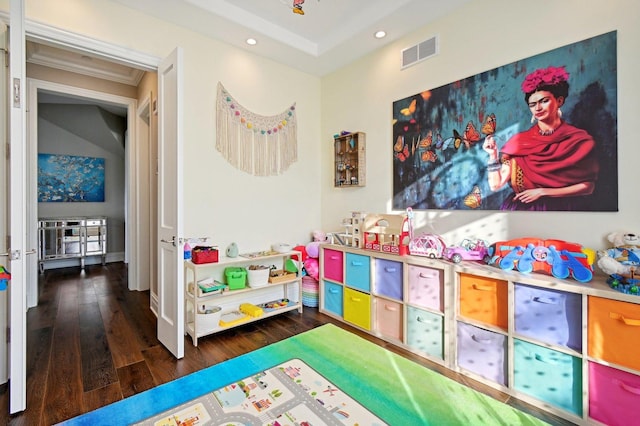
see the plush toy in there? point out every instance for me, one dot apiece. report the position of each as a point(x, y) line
point(313, 249)
point(312, 268)
point(623, 259)
point(302, 249)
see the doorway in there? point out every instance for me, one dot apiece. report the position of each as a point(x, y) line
point(75, 77)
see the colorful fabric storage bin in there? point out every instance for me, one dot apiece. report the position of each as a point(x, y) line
point(389, 318)
point(548, 375)
point(482, 352)
point(426, 287)
point(614, 395)
point(614, 331)
point(333, 298)
point(388, 278)
point(484, 299)
point(332, 265)
point(425, 332)
point(550, 316)
point(357, 271)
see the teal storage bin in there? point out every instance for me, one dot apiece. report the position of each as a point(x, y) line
point(236, 277)
point(425, 332)
point(548, 375)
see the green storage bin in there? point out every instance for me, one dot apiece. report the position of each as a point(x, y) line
point(236, 277)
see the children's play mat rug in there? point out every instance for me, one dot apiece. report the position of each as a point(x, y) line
point(326, 376)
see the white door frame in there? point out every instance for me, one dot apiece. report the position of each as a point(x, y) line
point(134, 250)
point(17, 213)
point(44, 33)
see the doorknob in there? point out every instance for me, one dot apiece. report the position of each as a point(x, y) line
point(15, 254)
point(172, 241)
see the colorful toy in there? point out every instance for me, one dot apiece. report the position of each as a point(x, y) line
point(622, 262)
point(558, 258)
point(387, 233)
point(468, 250)
point(5, 277)
point(312, 268)
point(428, 245)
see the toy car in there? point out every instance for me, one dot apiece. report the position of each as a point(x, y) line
point(467, 250)
point(429, 245)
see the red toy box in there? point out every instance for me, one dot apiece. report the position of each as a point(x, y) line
point(201, 254)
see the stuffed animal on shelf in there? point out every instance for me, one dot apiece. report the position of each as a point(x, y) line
point(623, 259)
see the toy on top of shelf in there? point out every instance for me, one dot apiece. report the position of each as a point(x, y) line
point(469, 249)
point(558, 258)
point(621, 262)
point(428, 245)
point(387, 233)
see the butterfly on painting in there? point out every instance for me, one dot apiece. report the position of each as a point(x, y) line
point(474, 199)
point(401, 149)
point(410, 109)
point(427, 140)
point(429, 155)
point(397, 147)
point(471, 135)
point(404, 154)
point(457, 139)
point(489, 126)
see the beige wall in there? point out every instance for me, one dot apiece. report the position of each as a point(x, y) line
point(220, 201)
point(229, 205)
point(481, 36)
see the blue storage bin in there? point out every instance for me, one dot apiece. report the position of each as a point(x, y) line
point(550, 316)
point(388, 278)
point(425, 332)
point(548, 375)
point(482, 352)
point(333, 298)
point(358, 271)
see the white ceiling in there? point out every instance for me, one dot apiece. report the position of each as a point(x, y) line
point(330, 34)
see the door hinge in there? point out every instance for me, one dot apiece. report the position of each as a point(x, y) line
point(17, 94)
point(6, 56)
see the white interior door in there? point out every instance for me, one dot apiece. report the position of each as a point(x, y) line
point(17, 211)
point(170, 256)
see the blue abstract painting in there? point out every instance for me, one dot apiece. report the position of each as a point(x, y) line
point(70, 178)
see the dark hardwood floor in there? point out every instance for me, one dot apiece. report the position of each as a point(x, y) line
point(91, 342)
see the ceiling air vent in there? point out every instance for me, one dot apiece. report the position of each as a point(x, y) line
point(421, 51)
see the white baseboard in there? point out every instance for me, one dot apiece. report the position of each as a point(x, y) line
point(91, 260)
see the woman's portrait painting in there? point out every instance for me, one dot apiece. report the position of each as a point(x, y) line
point(539, 134)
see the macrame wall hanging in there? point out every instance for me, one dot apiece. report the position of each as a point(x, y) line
point(256, 144)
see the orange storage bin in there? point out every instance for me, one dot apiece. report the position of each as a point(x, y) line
point(614, 331)
point(484, 299)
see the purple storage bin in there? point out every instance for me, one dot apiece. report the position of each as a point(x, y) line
point(426, 287)
point(482, 352)
point(388, 278)
point(549, 316)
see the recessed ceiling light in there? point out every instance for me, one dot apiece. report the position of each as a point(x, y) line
point(252, 41)
point(380, 34)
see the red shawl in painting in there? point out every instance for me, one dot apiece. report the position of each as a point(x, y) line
point(563, 158)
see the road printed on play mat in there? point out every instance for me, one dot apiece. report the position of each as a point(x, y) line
point(291, 393)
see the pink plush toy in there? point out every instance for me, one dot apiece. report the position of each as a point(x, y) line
point(313, 249)
point(311, 266)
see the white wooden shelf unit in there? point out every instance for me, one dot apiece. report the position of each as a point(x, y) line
point(229, 300)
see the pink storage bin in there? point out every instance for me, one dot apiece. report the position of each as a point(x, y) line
point(614, 395)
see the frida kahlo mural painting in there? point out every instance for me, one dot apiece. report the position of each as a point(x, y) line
point(539, 134)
